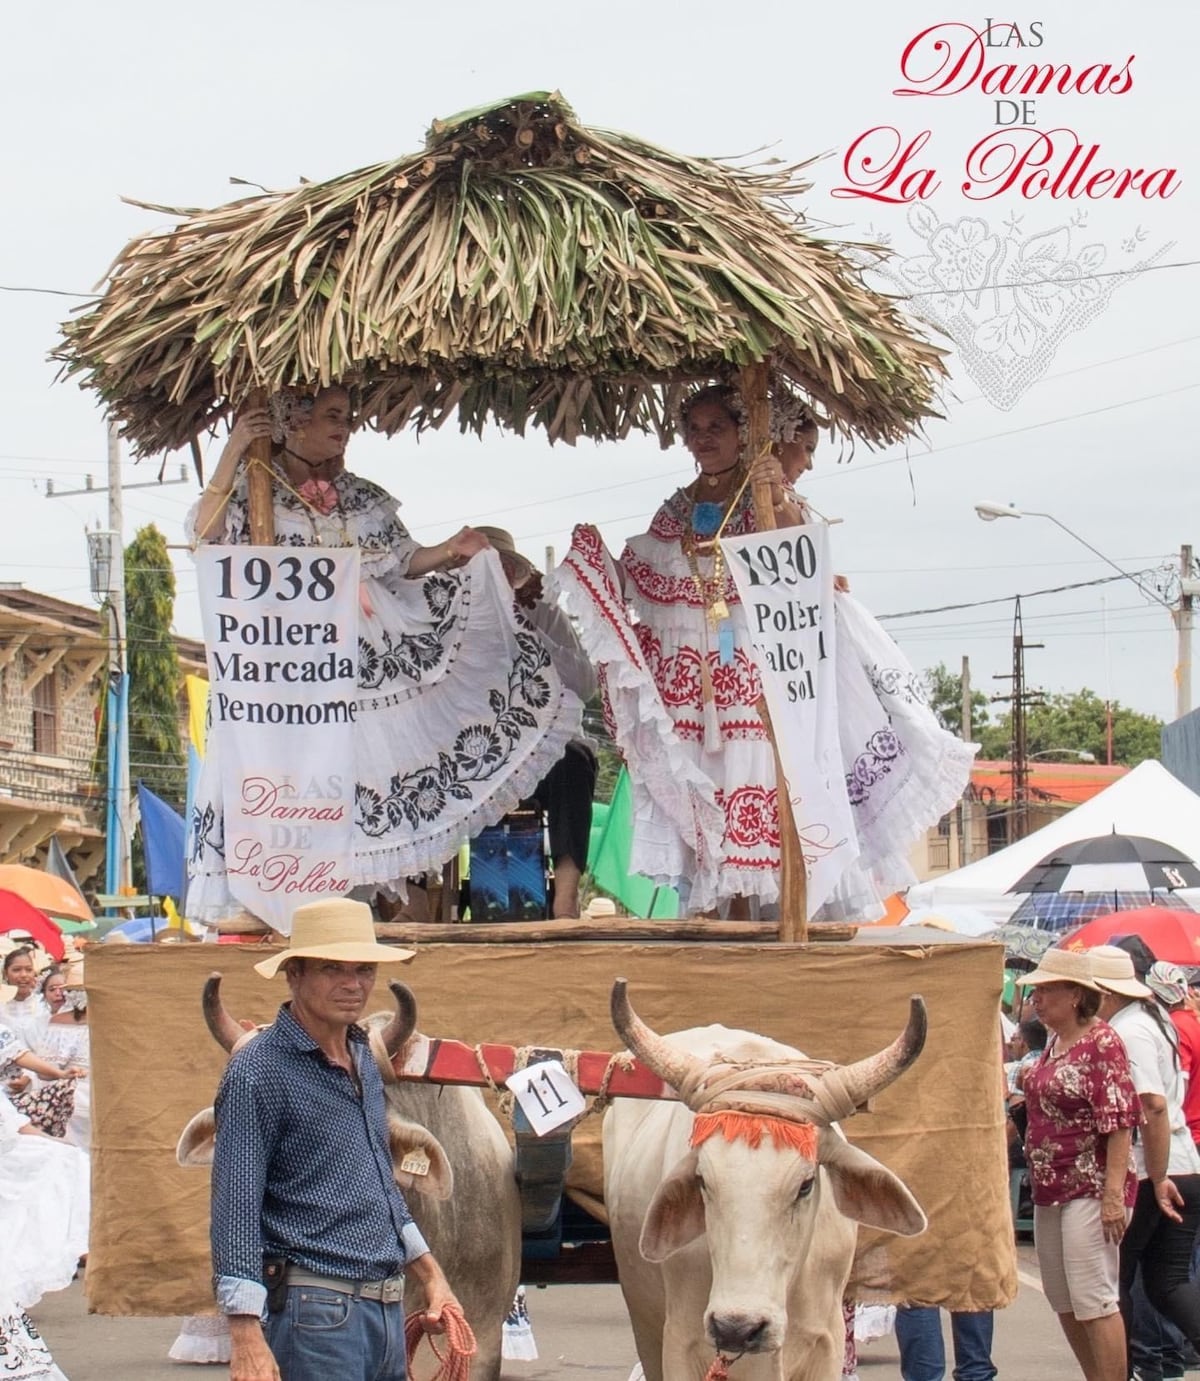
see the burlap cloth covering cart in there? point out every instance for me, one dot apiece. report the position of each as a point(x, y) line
point(940, 1127)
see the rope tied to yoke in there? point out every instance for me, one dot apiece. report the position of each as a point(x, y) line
point(812, 1091)
point(622, 1060)
point(455, 1363)
point(522, 1055)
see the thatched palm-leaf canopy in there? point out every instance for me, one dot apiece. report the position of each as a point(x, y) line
point(523, 268)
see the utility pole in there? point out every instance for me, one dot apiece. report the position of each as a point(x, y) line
point(119, 822)
point(1019, 700)
point(121, 836)
point(1184, 617)
point(966, 814)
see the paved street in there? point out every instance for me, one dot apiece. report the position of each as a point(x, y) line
point(581, 1331)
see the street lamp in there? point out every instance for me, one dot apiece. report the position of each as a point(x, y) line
point(1181, 616)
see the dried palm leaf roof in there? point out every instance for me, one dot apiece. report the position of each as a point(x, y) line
point(523, 268)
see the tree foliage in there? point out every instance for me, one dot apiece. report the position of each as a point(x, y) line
point(944, 688)
point(156, 754)
point(1073, 721)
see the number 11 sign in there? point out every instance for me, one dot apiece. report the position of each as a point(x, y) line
point(547, 1095)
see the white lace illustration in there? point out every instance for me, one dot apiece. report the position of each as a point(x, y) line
point(1008, 299)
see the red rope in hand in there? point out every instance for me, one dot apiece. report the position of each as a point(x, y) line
point(456, 1362)
point(719, 1371)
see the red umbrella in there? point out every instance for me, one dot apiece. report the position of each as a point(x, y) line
point(17, 914)
point(1172, 935)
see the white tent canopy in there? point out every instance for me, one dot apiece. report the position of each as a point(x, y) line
point(1148, 801)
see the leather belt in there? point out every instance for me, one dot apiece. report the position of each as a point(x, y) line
point(389, 1291)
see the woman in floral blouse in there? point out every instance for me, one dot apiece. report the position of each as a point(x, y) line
point(1082, 1109)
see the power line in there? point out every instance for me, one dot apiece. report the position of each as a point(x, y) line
point(1039, 282)
point(1006, 599)
point(903, 297)
point(50, 292)
point(1000, 436)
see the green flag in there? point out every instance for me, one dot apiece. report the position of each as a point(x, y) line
point(608, 861)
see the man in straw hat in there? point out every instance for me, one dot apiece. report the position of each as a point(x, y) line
point(565, 792)
point(303, 1193)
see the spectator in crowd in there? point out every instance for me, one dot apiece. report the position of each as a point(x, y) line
point(1082, 1108)
point(1166, 1214)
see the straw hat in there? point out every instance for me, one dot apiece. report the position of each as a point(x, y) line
point(502, 541)
point(1064, 966)
point(337, 929)
point(599, 908)
point(1114, 972)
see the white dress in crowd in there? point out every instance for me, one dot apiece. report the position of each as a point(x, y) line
point(68, 1044)
point(699, 757)
point(28, 1021)
point(460, 711)
point(44, 1207)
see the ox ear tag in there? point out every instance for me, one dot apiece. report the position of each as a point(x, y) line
point(415, 1163)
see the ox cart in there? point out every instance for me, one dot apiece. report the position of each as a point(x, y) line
point(681, 271)
point(940, 1128)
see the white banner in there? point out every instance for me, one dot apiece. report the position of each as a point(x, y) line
point(281, 632)
point(785, 580)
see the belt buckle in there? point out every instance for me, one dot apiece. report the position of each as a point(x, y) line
point(393, 1291)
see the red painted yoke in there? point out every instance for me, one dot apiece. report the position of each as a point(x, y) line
point(454, 1062)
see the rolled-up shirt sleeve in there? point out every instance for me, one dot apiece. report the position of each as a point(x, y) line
point(246, 1123)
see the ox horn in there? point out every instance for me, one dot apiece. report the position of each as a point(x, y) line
point(863, 1079)
point(222, 1027)
point(399, 1029)
point(672, 1065)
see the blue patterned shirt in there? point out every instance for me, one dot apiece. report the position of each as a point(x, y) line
point(302, 1168)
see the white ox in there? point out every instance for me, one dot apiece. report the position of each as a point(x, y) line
point(467, 1206)
point(739, 1249)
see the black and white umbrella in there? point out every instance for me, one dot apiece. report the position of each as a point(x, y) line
point(1060, 911)
point(1111, 863)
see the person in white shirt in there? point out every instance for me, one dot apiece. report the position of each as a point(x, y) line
point(1166, 1215)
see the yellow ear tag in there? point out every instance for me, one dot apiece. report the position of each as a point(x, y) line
point(415, 1163)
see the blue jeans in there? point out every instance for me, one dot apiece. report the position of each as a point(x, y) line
point(321, 1335)
point(923, 1353)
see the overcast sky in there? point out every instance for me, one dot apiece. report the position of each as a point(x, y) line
point(165, 103)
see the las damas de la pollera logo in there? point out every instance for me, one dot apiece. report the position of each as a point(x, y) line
point(1007, 287)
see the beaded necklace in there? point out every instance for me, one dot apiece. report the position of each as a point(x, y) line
point(710, 588)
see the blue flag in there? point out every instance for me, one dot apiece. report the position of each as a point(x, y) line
point(162, 842)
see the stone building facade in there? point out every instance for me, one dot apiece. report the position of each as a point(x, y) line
point(52, 659)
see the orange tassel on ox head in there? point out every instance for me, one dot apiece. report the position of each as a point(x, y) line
point(751, 1128)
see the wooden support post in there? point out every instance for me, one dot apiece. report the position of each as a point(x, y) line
point(258, 483)
point(793, 889)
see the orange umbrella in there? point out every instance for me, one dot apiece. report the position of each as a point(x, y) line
point(897, 909)
point(44, 890)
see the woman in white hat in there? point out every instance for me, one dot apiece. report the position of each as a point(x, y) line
point(1166, 1214)
point(1082, 1108)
